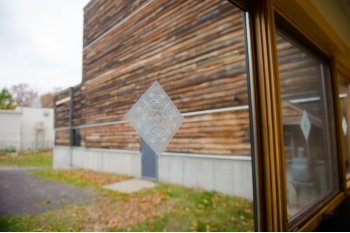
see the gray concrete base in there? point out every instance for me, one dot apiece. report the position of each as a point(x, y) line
point(130, 186)
point(61, 157)
point(103, 160)
point(230, 175)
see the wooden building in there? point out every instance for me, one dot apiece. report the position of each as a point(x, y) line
point(256, 85)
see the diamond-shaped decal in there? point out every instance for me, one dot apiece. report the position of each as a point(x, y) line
point(345, 126)
point(305, 125)
point(155, 117)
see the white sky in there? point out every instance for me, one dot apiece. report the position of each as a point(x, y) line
point(41, 43)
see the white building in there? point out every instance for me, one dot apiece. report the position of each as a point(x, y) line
point(27, 128)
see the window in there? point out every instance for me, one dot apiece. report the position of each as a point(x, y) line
point(212, 149)
point(309, 152)
point(344, 97)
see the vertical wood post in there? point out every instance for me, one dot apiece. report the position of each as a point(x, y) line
point(270, 162)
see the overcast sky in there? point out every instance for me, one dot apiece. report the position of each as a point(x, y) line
point(41, 43)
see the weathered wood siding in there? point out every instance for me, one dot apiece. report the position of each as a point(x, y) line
point(195, 49)
point(78, 102)
point(62, 109)
point(121, 136)
point(62, 138)
point(224, 133)
point(294, 66)
point(101, 16)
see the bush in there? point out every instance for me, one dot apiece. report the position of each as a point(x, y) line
point(8, 150)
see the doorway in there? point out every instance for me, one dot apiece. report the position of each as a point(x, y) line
point(149, 162)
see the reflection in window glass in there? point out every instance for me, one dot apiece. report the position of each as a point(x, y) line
point(309, 159)
point(197, 52)
point(344, 96)
point(212, 148)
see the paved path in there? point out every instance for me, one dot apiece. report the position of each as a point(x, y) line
point(22, 193)
point(130, 186)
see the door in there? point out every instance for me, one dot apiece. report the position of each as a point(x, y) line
point(149, 163)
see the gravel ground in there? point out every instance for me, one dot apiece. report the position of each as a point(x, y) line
point(22, 193)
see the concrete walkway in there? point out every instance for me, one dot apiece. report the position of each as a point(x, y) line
point(130, 186)
point(22, 193)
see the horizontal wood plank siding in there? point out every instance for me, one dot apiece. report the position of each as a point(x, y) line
point(62, 138)
point(195, 49)
point(121, 136)
point(78, 102)
point(101, 16)
point(226, 133)
point(62, 110)
point(294, 66)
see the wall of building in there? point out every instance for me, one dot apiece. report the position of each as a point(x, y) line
point(198, 57)
point(196, 51)
point(105, 160)
point(37, 128)
point(225, 174)
point(27, 128)
point(10, 129)
point(228, 175)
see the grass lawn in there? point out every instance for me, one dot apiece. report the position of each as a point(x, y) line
point(27, 159)
point(163, 208)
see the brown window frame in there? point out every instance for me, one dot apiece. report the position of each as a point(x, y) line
point(341, 73)
point(269, 143)
point(285, 30)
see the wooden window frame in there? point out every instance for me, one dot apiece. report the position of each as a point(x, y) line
point(270, 170)
point(341, 72)
point(297, 40)
point(269, 200)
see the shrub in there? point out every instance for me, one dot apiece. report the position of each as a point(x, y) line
point(8, 150)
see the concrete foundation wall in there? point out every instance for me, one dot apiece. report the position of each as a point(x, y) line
point(229, 175)
point(61, 157)
point(103, 160)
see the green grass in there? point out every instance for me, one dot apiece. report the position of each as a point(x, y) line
point(23, 223)
point(79, 177)
point(59, 176)
point(57, 220)
point(163, 208)
point(197, 210)
point(32, 159)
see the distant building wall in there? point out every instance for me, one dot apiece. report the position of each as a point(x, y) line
point(37, 128)
point(10, 129)
point(27, 128)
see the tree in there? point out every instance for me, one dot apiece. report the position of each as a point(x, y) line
point(24, 95)
point(6, 100)
point(47, 100)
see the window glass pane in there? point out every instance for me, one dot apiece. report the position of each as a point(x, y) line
point(197, 52)
point(344, 96)
point(308, 148)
